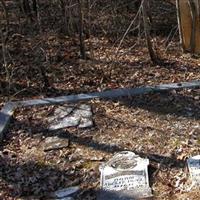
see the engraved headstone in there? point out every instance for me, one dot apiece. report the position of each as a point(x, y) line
point(194, 169)
point(125, 176)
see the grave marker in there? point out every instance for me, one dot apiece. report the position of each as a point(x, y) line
point(194, 169)
point(125, 176)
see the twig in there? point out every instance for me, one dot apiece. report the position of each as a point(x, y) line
point(129, 27)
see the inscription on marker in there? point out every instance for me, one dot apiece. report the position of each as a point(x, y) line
point(126, 172)
point(194, 169)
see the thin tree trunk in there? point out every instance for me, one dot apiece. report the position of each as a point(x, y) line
point(36, 7)
point(179, 24)
point(81, 37)
point(193, 32)
point(88, 32)
point(152, 54)
point(6, 17)
point(27, 9)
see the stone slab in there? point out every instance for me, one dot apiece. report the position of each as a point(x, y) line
point(71, 116)
point(65, 123)
point(194, 169)
point(86, 123)
point(65, 192)
point(5, 116)
point(53, 143)
point(127, 174)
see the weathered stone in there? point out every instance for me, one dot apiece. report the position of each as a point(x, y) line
point(65, 198)
point(53, 143)
point(69, 116)
point(65, 122)
point(5, 116)
point(84, 110)
point(194, 169)
point(65, 192)
point(86, 123)
point(125, 176)
point(63, 111)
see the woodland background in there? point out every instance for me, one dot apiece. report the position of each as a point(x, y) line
point(60, 47)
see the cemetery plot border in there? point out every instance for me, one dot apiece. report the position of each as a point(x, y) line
point(9, 108)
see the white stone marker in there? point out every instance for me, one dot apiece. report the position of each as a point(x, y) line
point(194, 169)
point(125, 176)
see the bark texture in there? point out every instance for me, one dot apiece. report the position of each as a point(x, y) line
point(188, 12)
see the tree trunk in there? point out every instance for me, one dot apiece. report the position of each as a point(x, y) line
point(81, 37)
point(6, 18)
point(152, 54)
point(188, 13)
point(27, 9)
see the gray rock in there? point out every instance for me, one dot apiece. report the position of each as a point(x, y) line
point(83, 113)
point(63, 111)
point(83, 110)
point(65, 122)
point(53, 143)
point(65, 192)
point(65, 198)
point(86, 123)
point(85, 107)
point(71, 116)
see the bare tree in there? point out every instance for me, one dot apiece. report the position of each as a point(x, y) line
point(6, 17)
point(27, 9)
point(152, 54)
point(81, 36)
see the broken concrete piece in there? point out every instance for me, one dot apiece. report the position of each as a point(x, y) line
point(84, 110)
point(125, 176)
point(85, 123)
point(71, 115)
point(63, 111)
point(5, 117)
point(53, 143)
point(194, 169)
point(65, 192)
point(65, 198)
point(65, 122)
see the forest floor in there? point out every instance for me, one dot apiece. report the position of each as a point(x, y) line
point(165, 127)
point(162, 127)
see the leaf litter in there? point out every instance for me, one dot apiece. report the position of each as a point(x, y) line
point(163, 127)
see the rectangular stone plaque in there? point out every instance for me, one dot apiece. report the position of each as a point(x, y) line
point(126, 173)
point(194, 169)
